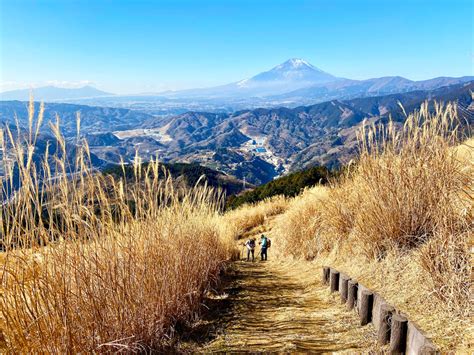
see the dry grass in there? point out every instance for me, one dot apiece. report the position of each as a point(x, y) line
point(303, 212)
point(400, 221)
point(240, 221)
point(93, 264)
point(409, 184)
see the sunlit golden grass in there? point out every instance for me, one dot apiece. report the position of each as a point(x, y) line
point(93, 263)
point(303, 211)
point(246, 217)
point(400, 221)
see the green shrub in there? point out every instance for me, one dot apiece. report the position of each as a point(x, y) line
point(289, 185)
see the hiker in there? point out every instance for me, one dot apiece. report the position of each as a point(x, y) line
point(250, 244)
point(265, 243)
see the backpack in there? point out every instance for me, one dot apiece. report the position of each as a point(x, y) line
point(269, 242)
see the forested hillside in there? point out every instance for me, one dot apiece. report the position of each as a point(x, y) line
point(289, 185)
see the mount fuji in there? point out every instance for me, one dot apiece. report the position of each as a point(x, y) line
point(294, 72)
point(291, 75)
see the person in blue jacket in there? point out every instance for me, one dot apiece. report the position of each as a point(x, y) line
point(264, 244)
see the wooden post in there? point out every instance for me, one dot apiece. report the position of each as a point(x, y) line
point(398, 334)
point(366, 304)
point(334, 278)
point(343, 288)
point(325, 275)
point(386, 312)
point(351, 294)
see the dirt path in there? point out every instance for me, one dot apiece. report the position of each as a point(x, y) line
point(277, 306)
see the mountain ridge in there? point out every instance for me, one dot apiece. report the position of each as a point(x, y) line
point(53, 93)
point(298, 74)
point(294, 138)
point(293, 83)
point(255, 144)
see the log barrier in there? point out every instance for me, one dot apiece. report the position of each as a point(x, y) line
point(393, 328)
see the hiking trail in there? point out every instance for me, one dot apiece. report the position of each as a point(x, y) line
point(275, 305)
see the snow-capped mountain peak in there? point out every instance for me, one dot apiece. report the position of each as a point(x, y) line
point(295, 63)
point(294, 72)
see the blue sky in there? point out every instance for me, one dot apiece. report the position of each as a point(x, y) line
point(142, 46)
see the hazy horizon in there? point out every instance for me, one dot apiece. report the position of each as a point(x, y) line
point(128, 47)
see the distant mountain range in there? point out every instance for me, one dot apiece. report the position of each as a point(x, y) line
point(93, 119)
point(290, 84)
point(255, 144)
point(52, 93)
point(290, 139)
point(297, 79)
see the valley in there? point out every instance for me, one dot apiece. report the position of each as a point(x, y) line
point(255, 145)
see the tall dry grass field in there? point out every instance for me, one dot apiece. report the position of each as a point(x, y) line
point(97, 264)
point(400, 220)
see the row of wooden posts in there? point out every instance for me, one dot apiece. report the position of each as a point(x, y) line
point(392, 326)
